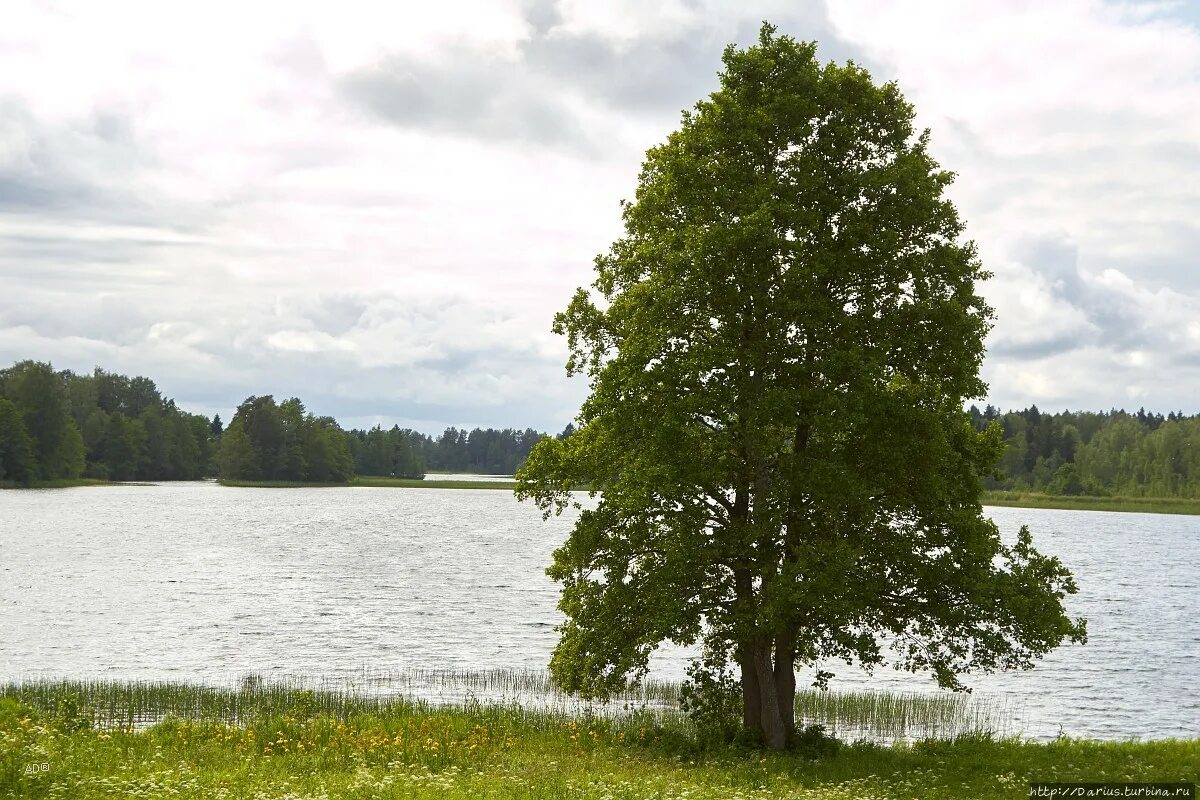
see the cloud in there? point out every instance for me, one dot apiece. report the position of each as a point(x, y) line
point(1077, 177)
point(465, 91)
point(371, 356)
point(574, 62)
point(71, 170)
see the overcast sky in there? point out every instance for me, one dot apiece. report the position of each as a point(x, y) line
point(379, 206)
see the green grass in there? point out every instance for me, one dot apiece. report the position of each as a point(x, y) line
point(1145, 505)
point(60, 483)
point(375, 482)
point(282, 743)
point(363, 480)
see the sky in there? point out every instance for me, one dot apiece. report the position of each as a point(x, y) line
point(378, 207)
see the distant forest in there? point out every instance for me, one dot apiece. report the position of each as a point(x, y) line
point(58, 425)
point(1097, 453)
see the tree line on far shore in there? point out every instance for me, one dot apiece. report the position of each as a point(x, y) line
point(267, 441)
point(1117, 453)
point(60, 425)
point(57, 425)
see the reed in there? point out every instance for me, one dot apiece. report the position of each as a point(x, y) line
point(901, 715)
point(873, 715)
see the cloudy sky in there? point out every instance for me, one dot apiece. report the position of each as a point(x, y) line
point(379, 206)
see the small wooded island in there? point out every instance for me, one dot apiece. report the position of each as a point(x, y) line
point(61, 428)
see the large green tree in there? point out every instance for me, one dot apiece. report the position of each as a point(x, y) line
point(779, 349)
point(16, 451)
point(40, 394)
point(236, 457)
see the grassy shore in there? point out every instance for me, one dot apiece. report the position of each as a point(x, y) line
point(304, 745)
point(382, 483)
point(1145, 505)
point(61, 483)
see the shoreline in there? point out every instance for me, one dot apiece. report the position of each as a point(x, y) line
point(268, 741)
point(372, 482)
point(1137, 505)
point(1007, 499)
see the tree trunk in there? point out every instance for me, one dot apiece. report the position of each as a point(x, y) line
point(769, 688)
point(785, 679)
point(775, 735)
point(751, 696)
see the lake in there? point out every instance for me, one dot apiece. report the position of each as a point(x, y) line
point(201, 583)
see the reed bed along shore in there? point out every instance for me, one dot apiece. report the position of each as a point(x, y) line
point(375, 483)
point(873, 715)
point(268, 741)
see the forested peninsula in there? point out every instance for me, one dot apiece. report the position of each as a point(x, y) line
point(59, 427)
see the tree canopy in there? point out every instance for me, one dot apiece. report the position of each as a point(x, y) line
point(779, 349)
point(1096, 453)
point(17, 463)
point(40, 395)
point(101, 425)
point(283, 442)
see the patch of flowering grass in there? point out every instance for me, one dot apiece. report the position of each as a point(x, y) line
point(478, 751)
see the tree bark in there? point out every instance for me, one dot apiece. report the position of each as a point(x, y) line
point(785, 679)
point(751, 695)
point(775, 735)
point(769, 687)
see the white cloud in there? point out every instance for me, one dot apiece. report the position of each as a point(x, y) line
point(1071, 126)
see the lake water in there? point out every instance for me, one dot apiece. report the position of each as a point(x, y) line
point(197, 582)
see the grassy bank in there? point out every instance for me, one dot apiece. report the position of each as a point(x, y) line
point(61, 483)
point(383, 483)
point(304, 745)
point(1146, 505)
point(431, 483)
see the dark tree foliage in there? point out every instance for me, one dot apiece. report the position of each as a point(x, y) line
point(485, 451)
point(402, 452)
point(283, 442)
point(17, 463)
point(126, 430)
point(106, 426)
point(1142, 454)
point(114, 427)
point(395, 453)
point(41, 396)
